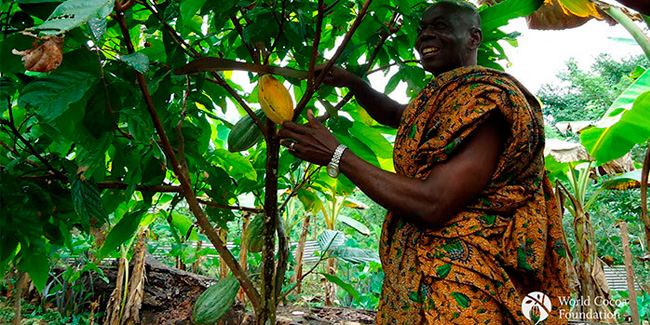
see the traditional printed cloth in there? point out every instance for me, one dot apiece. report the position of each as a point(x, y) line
point(478, 267)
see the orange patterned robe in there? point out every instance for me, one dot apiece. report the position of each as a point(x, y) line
point(508, 242)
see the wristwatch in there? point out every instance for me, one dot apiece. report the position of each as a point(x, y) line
point(333, 166)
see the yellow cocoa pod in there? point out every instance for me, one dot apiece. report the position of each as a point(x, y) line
point(275, 99)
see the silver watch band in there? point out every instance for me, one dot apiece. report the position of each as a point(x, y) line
point(336, 158)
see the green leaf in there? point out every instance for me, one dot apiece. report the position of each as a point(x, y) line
point(138, 61)
point(624, 181)
point(183, 224)
point(53, 94)
point(235, 164)
point(190, 7)
point(342, 284)
point(376, 141)
point(310, 200)
point(9, 62)
point(121, 233)
point(97, 27)
point(356, 225)
point(499, 14)
point(34, 261)
point(87, 202)
point(215, 302)
point(74, 13)
point(633, 127)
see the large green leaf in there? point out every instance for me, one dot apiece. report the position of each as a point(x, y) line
point(499, 14)
point(53, 94)
point(190, 7)
point(121, 233)
point(34, 261)
point(344, 285)
point(626, 123)
point(356, 225)
point(376, 141)
point(624, 181)
point(87, 202)
point(74, 13)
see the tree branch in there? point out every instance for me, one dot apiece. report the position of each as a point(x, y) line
point(240, 31)
point(29, 146)
point(314, 46)
point(186, 187)
point(280, 31)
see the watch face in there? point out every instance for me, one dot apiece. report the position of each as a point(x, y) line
point(332, 171)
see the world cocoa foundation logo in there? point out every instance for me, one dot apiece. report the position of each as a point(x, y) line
point(536, 307)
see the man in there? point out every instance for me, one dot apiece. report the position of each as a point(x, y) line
point(472, 226)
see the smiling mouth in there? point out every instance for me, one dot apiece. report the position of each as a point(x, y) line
point(429, 50)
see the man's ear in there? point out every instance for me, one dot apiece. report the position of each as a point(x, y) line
point(475, 38)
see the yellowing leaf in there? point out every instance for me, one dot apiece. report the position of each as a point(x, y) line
point(580, 8)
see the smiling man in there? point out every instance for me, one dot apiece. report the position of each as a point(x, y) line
point(473, 226)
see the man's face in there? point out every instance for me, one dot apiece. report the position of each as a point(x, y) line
point(443, 41)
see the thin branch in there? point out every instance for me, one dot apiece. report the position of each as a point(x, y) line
point(231, 207)
point(29, 146)
point(240, 31)
point(314, 46)
point(295, 189)
point(15, 152)
point(186, 187)
point(384, 67)
point(331, 6)
point(308, 94)
point(280, 31)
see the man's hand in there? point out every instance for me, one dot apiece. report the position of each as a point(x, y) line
point(338, 77)
point(311, 142)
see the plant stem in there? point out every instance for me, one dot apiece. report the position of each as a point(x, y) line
point(644, 197)
point(641, 38)
point(186, 187)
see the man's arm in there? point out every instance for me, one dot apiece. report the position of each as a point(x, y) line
point(381, 107)
point(428, 203)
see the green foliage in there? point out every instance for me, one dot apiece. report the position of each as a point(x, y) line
point(585, 95)
point(625, 124)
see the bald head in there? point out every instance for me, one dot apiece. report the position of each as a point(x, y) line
point(463, 8)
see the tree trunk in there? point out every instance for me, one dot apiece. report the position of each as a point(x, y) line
point(330, 288)
point(268, 302)
point(131, 310)
point(634, 308)
point(21, 284)
point(243, 253)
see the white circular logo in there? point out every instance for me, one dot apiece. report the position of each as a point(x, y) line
point(536, 306)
